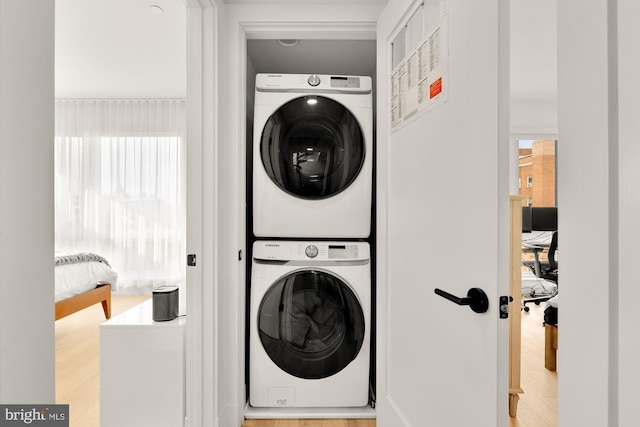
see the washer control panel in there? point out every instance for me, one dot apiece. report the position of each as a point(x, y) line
point(311, 251)
point(318, 251)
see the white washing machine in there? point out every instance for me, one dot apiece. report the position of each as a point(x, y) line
point(312, 156)
point(309, 338)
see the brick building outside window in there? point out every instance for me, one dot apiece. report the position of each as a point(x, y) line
point(537, 173)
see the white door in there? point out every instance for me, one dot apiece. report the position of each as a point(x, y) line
point(443, 221)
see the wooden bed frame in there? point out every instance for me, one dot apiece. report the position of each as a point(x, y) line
point(101, 293)
point(550, 346)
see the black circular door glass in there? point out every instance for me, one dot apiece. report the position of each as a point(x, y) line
point(311, 324)
point(312, 147)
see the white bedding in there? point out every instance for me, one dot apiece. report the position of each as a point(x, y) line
point(74, 279)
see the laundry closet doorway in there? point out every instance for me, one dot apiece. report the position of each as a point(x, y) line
point(309, 172)
point(402, 362)
point(222, 325)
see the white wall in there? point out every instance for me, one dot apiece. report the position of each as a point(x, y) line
point(537, 117)
point(26, 202)
point(628, 34)
point(533, 61)
point(599, 201)
point(583, 181)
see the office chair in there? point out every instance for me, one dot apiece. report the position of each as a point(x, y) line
point(548, 271)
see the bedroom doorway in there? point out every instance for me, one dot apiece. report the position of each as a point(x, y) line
point(120, 166)
point(536, 180)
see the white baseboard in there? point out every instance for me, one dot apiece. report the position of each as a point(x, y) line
point(307, 413)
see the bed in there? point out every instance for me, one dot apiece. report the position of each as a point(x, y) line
point(551, 333)
point(82, 280)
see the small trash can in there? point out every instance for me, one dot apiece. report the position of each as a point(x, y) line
point(165, 303)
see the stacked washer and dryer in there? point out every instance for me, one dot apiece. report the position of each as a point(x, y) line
point(310, 294)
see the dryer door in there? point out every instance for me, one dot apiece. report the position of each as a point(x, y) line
point(311, 324)
point(312, 147)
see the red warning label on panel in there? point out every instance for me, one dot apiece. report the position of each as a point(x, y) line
point(435, 88)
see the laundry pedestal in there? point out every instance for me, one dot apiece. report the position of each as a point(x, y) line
point(142, 370)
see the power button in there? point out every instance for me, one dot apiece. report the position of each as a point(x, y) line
point(311, 251)
point(314, 80)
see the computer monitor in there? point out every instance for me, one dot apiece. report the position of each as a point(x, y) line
point(526, 219)
point(544, 218)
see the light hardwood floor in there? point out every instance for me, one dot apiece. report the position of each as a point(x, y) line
point(538, 406)
point(78, 360)
point(78, 372)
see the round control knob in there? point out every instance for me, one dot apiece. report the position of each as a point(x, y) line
point(311, 251)
point(314, 80)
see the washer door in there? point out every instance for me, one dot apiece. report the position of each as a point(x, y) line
point(311, 324)
point(312, 147)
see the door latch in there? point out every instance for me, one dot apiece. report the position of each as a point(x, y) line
point(191, 260)
point(504, 306)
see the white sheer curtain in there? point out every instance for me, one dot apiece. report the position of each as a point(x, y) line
point(120, 186)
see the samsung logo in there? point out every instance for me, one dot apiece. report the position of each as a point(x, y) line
point(274, 75)
point(271, 245)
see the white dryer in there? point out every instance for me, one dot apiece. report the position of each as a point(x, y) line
point(309, 338)
point(312, 156)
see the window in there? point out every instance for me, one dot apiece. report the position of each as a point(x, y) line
point(529, 181)
point(120, 186)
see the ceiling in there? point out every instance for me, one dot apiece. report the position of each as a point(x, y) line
point(534, 50)
point(121, 49)
point(351, 57)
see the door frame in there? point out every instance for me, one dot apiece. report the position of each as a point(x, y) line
point(203, 58)
point(215, 355)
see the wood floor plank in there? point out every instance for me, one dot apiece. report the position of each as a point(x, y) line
point(538, 406)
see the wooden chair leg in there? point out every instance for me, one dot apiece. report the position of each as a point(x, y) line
point(550, 346)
